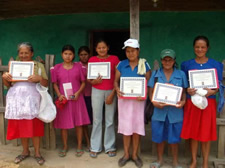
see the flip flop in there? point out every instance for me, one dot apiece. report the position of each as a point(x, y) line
point(93, 154)
point(111, 153)
point(40, 160)
point(20, 158)
point(79, 152)
point(62, 153)
point(138, 162)
point(155, 165)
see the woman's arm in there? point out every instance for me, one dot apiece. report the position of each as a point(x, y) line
point(59, 95)
point(7, 78)
point(181, 103)
point(38, 78)
point(77, 94)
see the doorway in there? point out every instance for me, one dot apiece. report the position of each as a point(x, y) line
point(115, 39)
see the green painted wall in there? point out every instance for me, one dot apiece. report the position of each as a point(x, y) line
point(158, 30)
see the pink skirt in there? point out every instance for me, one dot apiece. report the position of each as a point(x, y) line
point(131, 117)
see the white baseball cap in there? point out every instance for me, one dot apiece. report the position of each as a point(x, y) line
point(131, 43)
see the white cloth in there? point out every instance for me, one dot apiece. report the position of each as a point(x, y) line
point(22, 101)
point(199, 99)
point(141, 66)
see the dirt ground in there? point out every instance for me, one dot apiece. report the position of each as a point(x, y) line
point(9, 152)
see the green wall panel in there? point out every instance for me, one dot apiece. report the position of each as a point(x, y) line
point(158, 30)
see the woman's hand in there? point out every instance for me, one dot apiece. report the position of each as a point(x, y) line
point(159, 104)
point(61, 97)
point(139, 98)
point(180, 104)
point(76, 95)
point(7, 76)
point(191, 91)
point(119, 93)
point(97, 80)
point(34, 78)
point(109, 99)
point(210, 92)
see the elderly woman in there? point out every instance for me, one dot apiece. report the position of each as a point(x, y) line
point(22, 106)
point(167, 120)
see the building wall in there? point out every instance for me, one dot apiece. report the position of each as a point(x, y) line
point(158, 30)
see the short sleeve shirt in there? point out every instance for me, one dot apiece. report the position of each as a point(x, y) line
point(178, 78)
point(126, 71)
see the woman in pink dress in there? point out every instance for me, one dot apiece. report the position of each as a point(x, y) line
point(69, 82)
point(84, 55)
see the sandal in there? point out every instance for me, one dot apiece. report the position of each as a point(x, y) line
point(40, 160)
point(20, 158)
point(79, 152)
point(93, 154)
point(138, 162)
point(155, 165)
point(111, 153)
point(62, 153)
point(123, 161)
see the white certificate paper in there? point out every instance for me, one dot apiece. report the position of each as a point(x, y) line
point(167, 93)
point(21, 70)
point(97, 69)
point(68, 90)
point(206, 78)
point(133, 87)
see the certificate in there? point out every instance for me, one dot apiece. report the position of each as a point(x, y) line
point(133, 87)
point(167, 93)
point(68, 90)
point(205, 78)
point(21, 70)
point(97, 69)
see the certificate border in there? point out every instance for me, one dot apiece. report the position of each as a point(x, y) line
point(212, 71)
point(133, 95)
point(18, 78)
point(156, 89)
point(98, 63)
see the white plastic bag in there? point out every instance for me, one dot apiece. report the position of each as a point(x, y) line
point(47, 111)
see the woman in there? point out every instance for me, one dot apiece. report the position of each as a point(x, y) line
point(22, 113)
point(103, 93)
point(200, 125)
point(131, 111)
point(84, 55)
point(74, 113)
point(167, 120)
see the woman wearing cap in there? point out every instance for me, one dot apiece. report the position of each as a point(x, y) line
point(167, 120)
point(131, 111)
point(200, 125)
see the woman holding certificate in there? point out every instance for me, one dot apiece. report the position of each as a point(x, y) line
point(69, 82)
point(167, 119)
point(103, 93)
point(22, 104)
point(131, 110)
point(200, 124)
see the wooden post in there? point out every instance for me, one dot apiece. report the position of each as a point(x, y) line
point(51, 91)
point(2, 110)
point(221, 123)
point(134, 19)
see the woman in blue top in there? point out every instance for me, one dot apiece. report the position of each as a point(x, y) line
point(131, 111)
point(167, 120)
point(200, 125)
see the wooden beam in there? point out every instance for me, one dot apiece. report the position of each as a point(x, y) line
point(134, 19)
point(2, 115)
